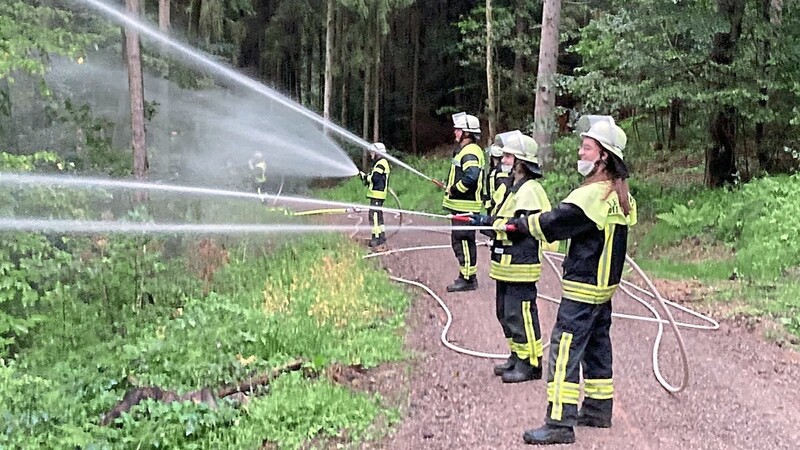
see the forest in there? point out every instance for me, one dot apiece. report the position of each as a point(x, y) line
point(242, 341)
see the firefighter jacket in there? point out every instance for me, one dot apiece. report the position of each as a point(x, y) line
point(516, 256)
point(465, 180)
point(378, 180)
point(593, 221)
point(496, 180)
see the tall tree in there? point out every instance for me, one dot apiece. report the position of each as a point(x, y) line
point(326, 105)
point(544, 112)
point(136, 88)
point(721, 153)
point(490, 99)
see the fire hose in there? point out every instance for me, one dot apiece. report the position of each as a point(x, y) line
point(626, 286)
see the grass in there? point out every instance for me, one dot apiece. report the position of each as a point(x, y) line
point(313, 298)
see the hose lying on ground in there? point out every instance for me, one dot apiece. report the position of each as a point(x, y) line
point(625, 286)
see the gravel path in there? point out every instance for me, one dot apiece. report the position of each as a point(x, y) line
point(743, 392)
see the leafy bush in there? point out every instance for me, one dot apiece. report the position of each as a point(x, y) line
point(759, 219)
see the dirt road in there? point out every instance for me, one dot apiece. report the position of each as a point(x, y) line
point(743, 393)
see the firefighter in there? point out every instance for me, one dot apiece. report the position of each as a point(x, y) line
point(498, 179)
point(595, 217)
point(258, 165)
point(516, 259)
point(463, 195)
point(378, 184)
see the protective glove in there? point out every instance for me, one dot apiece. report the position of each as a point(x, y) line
point(480, 220)
point(363, 178)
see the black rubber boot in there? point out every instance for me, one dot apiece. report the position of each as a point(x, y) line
point(373, 242)
point(461, 285)
point(549, 434)
point(508, 365)
point(593, 421)
point(522, 371)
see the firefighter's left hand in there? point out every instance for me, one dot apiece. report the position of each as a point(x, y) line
point(478, 220)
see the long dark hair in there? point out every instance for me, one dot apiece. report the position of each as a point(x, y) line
point(618, 174)
point(614, 170)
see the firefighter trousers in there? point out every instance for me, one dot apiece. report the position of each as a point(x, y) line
point(581, 338)
point(463, 243)
point(519, 317)
point(376, 222)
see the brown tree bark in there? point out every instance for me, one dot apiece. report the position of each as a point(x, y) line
point(721, 153)
point(136, 88)
point(544, 112)
point(376, 107)
point(490, 71)
point(326, 103)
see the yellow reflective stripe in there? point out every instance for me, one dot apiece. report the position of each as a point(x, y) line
point(587, 293)
point(599, 389)
point(604, 265)
point(378, 195)
point(521, 350)
point(461, 187)
point(568, 394)
point(499, 226)
point(467, 270)
point(469, 164)
point(530, 334)
point(562, 389)
point(514, 272)
point(534, 228)
point(462, 205)
point(376, 228)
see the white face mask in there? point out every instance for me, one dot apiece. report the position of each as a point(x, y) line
point(585, 167)
point(505, 168)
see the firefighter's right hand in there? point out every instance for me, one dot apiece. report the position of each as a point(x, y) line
point(362, 175)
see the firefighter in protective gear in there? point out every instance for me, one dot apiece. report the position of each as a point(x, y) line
point(377, 182)
point(258, 165)
point(463, 195)
point(498, 179)
point(516, 261)
point(595, 217)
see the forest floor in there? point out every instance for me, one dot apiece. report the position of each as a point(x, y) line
point(742, 390)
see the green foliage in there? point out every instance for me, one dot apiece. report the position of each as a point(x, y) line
point(314, 298)
point(30, 33)
point(759, 219)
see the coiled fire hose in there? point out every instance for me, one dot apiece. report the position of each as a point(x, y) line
point(626, 286)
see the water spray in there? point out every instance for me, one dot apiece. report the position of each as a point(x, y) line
point(10, 178)
point(121, 17)
point(101, 226)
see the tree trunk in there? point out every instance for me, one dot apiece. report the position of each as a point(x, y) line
point(674, 120)
point(721, 153)
point(376, 136)
point(544, 112)
point(326, 103)
point(163, 16)
point(367, 83)
point(771, 11)
point(415, 81)
point(519, 25)
point(489, 70)
point(136, 88)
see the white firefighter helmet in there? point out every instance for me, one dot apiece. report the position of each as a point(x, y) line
point(379, 147)
point(466, 122)
point(522, 146)
point(605, 131)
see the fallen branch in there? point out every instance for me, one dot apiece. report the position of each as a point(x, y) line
point(135, 396)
